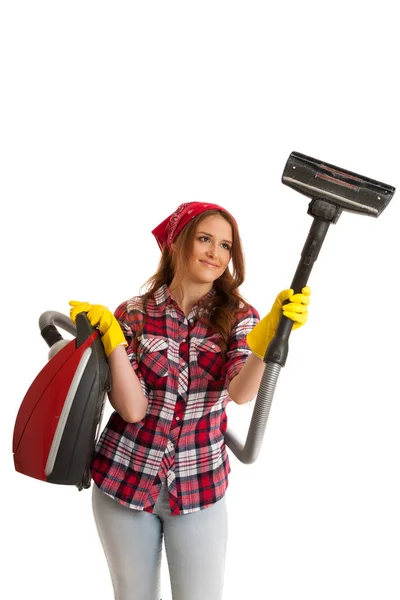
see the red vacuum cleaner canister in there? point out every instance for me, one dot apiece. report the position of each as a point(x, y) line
point(58, 422)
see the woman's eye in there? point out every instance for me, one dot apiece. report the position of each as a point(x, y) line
point(205, 238)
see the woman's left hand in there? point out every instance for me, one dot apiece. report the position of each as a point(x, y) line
point(297, 307)
point(291, 305)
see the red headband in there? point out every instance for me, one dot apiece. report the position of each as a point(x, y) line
point(166, 232)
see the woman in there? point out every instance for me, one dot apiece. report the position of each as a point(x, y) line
point(161, 466)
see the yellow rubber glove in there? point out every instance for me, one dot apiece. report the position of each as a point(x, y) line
point(259, 337)
point(100, 317)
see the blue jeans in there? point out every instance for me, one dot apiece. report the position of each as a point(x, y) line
point(195, 546)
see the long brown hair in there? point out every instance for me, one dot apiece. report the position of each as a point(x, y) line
point(227, 302)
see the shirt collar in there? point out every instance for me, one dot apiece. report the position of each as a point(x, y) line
point(162, 297)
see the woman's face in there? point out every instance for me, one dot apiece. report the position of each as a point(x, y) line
point(211, 251)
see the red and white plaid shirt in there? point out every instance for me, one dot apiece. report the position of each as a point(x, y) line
point(181, 438)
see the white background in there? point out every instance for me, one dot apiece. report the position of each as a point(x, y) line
point(112, 114)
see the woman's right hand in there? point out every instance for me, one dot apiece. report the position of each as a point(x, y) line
point(99, 316)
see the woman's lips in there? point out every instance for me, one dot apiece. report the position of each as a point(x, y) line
point(209, 264)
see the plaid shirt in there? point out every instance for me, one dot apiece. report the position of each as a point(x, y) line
point(181, 438)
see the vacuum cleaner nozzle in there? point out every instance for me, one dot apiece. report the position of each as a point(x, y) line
point(349, 191)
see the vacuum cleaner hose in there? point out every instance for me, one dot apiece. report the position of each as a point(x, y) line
point(248, 452)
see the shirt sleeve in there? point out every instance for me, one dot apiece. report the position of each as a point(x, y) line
point(130, 318)
point(238, 350)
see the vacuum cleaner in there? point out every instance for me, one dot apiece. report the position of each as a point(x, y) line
point(57, 425)
point(58, 422)
point(331, 190)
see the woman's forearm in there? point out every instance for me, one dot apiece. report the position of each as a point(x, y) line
point(244, 386)
point(126, 395)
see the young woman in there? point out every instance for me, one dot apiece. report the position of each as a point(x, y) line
point(161, 466)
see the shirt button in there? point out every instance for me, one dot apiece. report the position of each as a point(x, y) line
point(213, 346)
point(184, 340)
point(177, 418)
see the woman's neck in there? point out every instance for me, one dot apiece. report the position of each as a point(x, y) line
point(188, 294)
